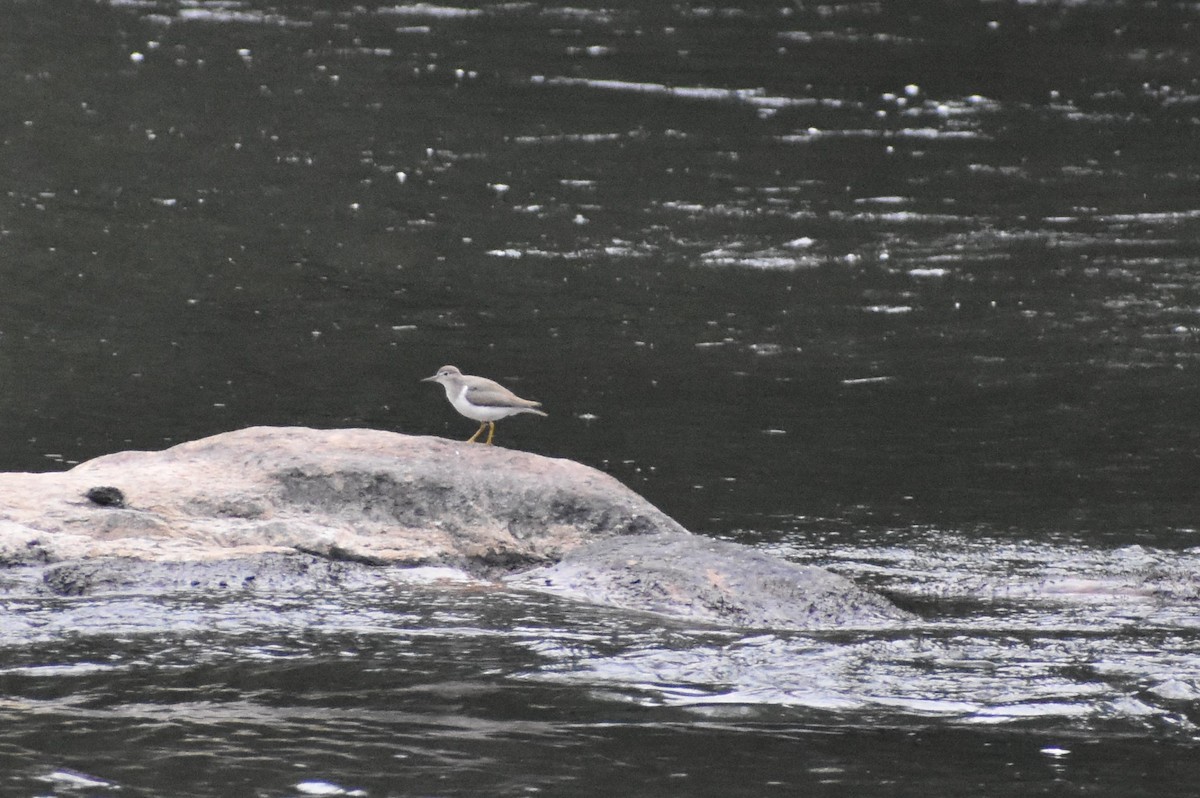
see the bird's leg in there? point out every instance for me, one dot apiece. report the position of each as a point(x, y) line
point(482, 424)
point(491, 431)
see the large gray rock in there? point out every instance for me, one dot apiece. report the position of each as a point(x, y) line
point(273, 508)
point(362, 495)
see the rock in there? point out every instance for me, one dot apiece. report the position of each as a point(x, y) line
point(709, 580)
point(354, 495)
point(287, 572)
point(293, 509)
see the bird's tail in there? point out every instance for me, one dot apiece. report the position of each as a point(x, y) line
point(530, 406)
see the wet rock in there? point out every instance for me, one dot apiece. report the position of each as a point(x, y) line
point(281, 572)
point(292, 508)
point(709, 580)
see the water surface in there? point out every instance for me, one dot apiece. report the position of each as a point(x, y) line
point(901, 289)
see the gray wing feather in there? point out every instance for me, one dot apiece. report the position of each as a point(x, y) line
point(498, 396)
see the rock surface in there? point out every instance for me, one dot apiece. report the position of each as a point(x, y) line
point(360, 495)
point(709, 580)
point(279, 507)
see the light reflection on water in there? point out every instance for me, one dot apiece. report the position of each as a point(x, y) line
point(1011, 620)
point(419, 680)
point(1072, 636)
point(909, 295)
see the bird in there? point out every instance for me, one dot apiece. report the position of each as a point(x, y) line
point(481, 399)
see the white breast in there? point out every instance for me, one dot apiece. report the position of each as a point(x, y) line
point(458, 399)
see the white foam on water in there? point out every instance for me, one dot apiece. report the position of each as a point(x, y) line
point(842, 37)
point(814, 134)
point(765, 262)
point(755, 97)
point(882, 200)
point(74, 780)
point(431, 574)
point(315, 787)
point(429, 10)
point(570, 138)
point(75, 669)
point(1152, 217)
point(226, 15)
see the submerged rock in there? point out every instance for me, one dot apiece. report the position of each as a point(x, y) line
point(292, 508)
point(709, 580)
point(290, 572)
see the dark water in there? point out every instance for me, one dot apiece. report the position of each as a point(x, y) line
point(906, 289)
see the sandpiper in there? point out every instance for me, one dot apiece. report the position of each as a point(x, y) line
point(481, 399)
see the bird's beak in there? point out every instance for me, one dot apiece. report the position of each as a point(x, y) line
point(429, 379)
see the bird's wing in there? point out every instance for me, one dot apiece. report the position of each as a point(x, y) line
point(495, 395)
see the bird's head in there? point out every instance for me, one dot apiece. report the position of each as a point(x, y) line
point(444, 375)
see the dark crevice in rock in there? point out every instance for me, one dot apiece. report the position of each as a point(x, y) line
point(106, 496)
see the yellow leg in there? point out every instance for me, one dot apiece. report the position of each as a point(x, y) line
point(482, 424)
point(491, 431)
